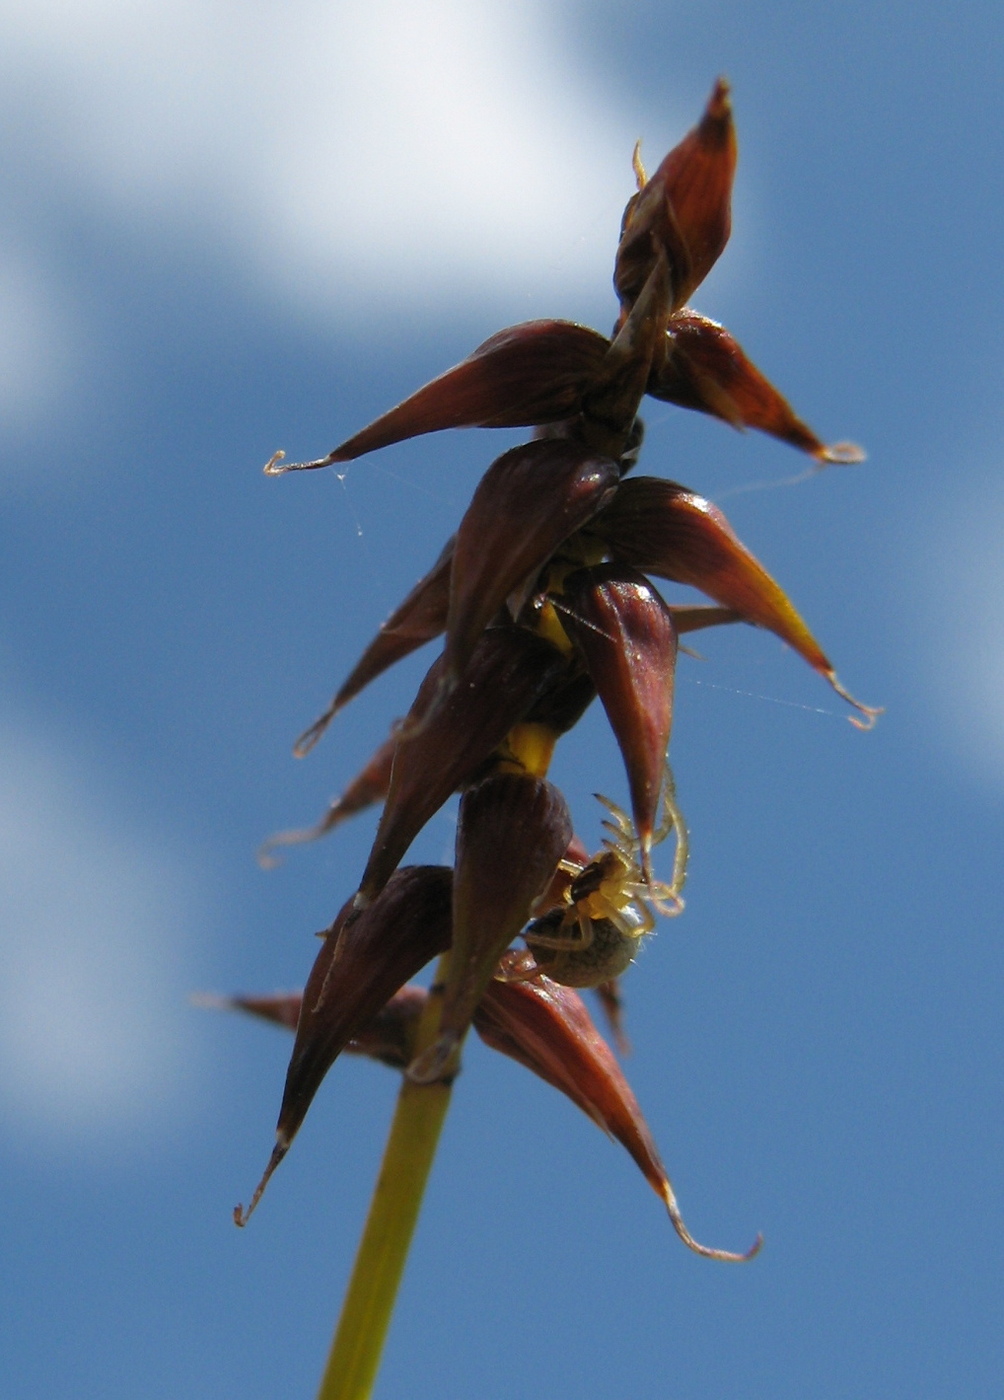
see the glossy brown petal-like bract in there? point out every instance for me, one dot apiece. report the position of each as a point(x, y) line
point(626, 634)
point(612, 1004)
point(700, 616)
point(388, 1037)
point(548, 1029)
point(662, 528)
point(365, 957)
point(366, 788)
point(528, 374)
point(706, 368)
point(685, 208)
point(527, 504)
point(448, 735)
point(512, 831)
point(281, 1008)
point(420, 618)
point(563, 703)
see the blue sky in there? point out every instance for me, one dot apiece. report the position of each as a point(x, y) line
point(228, 229)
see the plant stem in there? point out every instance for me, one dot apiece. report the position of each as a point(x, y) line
point(383, 1250)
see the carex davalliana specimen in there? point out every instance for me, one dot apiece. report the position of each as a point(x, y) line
point(545, 601)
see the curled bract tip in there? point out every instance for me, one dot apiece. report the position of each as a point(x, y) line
point(727, 1256)
point(869, 713)
point(842, 454)
point(272, 467)
point(242, 1216)
point(312, 734)
point(266, 856)
point(637, 165)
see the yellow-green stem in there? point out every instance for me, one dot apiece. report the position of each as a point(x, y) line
point(383, 1249)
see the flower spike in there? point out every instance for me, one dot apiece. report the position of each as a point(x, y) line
point(545, 600)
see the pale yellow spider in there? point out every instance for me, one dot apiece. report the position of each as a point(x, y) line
point(609, 906)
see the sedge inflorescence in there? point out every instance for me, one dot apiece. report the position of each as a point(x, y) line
point(544, 597)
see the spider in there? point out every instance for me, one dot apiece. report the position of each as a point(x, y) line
point(609, 906)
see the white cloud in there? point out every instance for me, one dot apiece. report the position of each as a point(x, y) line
point(91, 930)
point(38, 340)
point(387, 150)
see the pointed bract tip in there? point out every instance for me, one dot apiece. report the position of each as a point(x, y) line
point(727, 1256)
point(719, 103)
point(209, 1001)
point(312, 734)
point(842, 454)
point(611, 1001)
point(414, 726)
point(645, 853)
point(266, 857)
point(869, 713)
point(242, 1216)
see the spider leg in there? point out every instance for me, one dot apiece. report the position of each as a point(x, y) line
point(670, 812)
point(673, 820)
point(667, 899)
point(555, 894)
point(566, 943)
point(625, 826)
point(623, 844)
